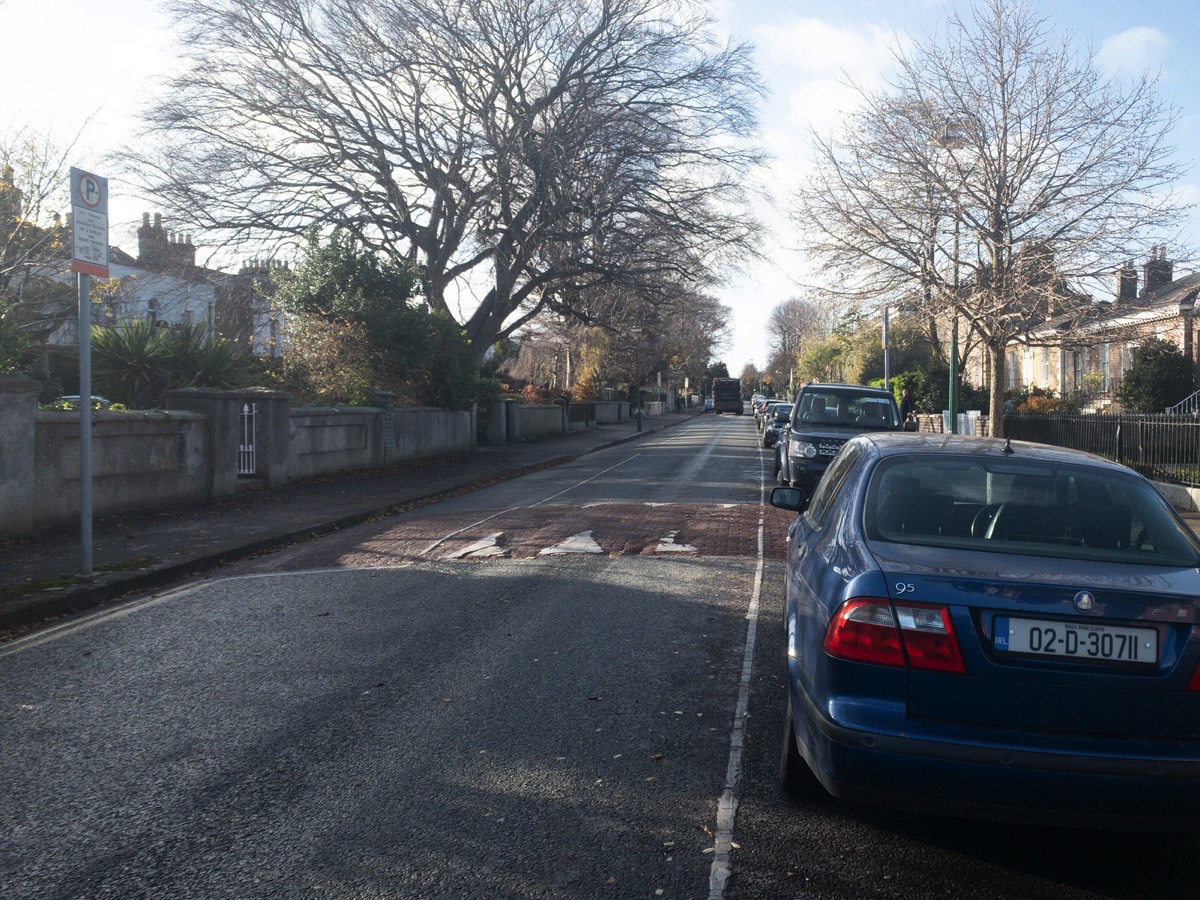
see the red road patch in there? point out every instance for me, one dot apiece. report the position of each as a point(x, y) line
point(616, 529)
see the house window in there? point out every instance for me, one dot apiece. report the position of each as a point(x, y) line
point(1104, 366)
point(1012, 371)
point(1046, 367)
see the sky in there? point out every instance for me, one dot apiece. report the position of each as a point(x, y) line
point(87, 68)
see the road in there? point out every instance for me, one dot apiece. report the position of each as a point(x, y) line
point(567, 685)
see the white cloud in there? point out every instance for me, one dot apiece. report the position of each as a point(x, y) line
point(814, 50)
point(1134, 51)
point(820, 104)
point(807, 63)
point(817, 47)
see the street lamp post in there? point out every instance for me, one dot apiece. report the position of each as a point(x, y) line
point(887, 350)
point(952, 138)
point(637, 367)
point(954, 340)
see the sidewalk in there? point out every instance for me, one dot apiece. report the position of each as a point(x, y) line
point(39, 573)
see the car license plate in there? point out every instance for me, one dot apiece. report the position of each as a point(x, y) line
point(1077, 640)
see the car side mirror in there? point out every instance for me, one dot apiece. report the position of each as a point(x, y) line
point(789, 498)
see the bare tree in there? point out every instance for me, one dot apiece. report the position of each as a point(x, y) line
point(790, 326)
point(752, 377)
point(997, 169)
point(34, 237)
point(696, 332)
point(523, 151)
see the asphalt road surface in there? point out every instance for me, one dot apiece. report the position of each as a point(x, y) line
point(567, 685)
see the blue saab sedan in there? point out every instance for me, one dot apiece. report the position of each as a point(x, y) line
point(993, 629)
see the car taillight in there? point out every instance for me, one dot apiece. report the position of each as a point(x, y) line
point(929, 638)
point(1194, 684)
point(917, 634)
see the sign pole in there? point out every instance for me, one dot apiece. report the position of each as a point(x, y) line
point(85, 424)
point(887, 353)
point(89, 256)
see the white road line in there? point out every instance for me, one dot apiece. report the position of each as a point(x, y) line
point(447, 537)
point(668, 545)
point(482, 546)
point(727, 804)
point(128, 607)
point(576, 543)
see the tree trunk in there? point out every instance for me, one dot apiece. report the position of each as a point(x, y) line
point(996, 403)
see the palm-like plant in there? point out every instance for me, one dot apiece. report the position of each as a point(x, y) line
point(197, 359)
point(135, 362)
point(131, 362)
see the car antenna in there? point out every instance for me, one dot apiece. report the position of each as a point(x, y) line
point(1008, 446)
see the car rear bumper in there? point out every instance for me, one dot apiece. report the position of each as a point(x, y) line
point(1002, 783)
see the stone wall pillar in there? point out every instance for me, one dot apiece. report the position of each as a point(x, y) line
point(223, 435)
point(18, 435)
point(386, 401)
point(497, 422)
point(512, 415)
point(274, 434)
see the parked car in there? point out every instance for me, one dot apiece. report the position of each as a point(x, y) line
point(760, 418)
point(776, 421)
point(997, 629)
point(709, 406)
point(824, 417)
point(760, 408)
point(73, 401)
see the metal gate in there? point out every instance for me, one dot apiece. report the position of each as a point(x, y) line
point(246, 465)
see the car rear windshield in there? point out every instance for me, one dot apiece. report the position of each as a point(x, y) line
point(1030, 507)
point(859, 410)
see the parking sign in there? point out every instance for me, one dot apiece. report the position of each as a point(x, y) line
point(89, 223)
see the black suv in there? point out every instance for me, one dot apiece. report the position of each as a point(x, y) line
point(825, 416)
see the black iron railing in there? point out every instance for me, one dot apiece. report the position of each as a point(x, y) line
point(1163, 447)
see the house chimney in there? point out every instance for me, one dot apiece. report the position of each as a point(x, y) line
point(152, 242)
point(162, 250)
point(11, 199)
point(1157, 271)
point(1127, 281)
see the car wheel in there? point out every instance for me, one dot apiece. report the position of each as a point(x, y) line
point(795, 777)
